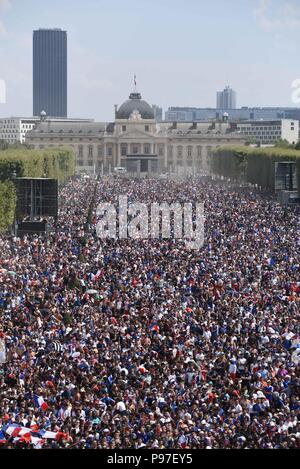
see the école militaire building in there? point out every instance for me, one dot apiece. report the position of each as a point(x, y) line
point(136, 141)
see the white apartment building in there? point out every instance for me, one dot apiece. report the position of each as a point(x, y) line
point(14, 129)
point(269, 132)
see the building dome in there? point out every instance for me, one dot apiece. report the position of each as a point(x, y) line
point(43, 115)
point(135, 103)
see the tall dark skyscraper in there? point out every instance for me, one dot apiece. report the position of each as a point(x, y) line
point(50, 72)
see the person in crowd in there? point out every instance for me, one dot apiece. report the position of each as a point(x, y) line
point(126, 343)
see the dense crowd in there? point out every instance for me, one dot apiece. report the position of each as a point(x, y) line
point(145, 343)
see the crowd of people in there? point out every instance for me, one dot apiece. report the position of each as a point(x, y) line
point(126, 343)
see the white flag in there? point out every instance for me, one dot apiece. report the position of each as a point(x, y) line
point(2, 351)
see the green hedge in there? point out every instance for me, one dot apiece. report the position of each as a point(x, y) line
point(254, 165)
point(7, 205)
point(53, 163)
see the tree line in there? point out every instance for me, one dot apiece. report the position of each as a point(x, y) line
point(22, 161)
point(253, 165)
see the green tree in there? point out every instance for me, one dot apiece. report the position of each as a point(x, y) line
point(283, 144)
point(7, 205)
point(254, 165)
point(25, 162)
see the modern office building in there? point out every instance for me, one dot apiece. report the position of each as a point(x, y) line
point(50, 72)
point(158, 113)
point(226, 99)
point(14, 129)
point(190, 114)
point(269, 132)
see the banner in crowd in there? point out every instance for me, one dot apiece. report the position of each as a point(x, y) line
point(2, 351)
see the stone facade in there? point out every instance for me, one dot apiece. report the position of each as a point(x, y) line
point(137, 142)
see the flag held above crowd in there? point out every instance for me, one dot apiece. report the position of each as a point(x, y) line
point(39, 402)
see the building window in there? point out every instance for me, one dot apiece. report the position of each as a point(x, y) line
point(199, 152)
point(90, 151)
point(123, 150)
point(123, 128)
point(147, 149)
point(100, 151)
point(147, 128)
point(135, 149)
point(80, 151)
point(179, 152)
point(189, 151)
point(161, 151)
point(109, 151)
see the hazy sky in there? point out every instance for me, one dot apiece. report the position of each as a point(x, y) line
point(182, 51)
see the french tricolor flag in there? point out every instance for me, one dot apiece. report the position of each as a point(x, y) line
point(37, 442)
point(34, 427)
point(48, 435)
point(15, 431)
point(2, 437)
point(26, 438)
point(39, 402)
